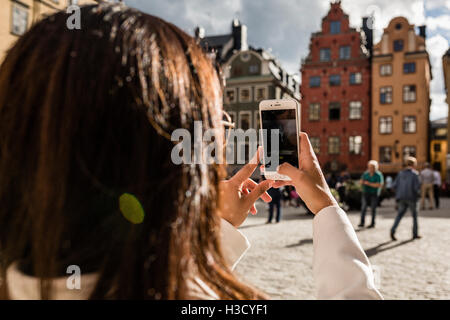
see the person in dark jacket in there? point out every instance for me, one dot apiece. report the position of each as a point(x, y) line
point(276, 195)
point(407, 189)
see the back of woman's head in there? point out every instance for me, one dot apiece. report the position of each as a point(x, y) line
point(85, 118)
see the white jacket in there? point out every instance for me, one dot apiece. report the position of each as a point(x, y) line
point(341, 268)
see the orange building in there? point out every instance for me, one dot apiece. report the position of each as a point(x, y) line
point(17, 16)
point(401, 75)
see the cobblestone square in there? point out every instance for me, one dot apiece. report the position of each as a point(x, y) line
point(279, 261)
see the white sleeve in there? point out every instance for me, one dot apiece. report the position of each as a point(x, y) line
point(234, 243)
point(341, 268)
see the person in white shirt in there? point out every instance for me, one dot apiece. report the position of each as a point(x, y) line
point(426, 186)
point(93, 204)
point(436, 186)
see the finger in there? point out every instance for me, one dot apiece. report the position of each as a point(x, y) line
point(249, 183)
point(253, 210)
point(281, 183)
point(305, 144)
point(258, 191)
point(288, 170)
point(247, 170)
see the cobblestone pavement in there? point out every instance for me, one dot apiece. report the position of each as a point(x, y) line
point(279, 261)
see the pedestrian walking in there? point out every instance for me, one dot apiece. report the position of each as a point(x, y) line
point(427, 182)
point(407, 186)
point(371, 181)
point(276, 195)
point(437, 182)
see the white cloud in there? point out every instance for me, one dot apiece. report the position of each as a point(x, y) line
point(439, 22)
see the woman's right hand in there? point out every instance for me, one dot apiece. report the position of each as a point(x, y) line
point(308, 179)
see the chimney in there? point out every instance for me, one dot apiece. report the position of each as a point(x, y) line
point(239, 32)
point(367, 28)
point(423, 31)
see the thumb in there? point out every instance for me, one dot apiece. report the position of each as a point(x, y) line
point(288, 170)
point(259, 190)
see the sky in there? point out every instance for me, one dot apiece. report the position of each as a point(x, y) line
point(284, 26)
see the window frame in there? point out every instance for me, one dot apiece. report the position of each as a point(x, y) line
point(350, 110)
point(349, 52)
point(398, 41)
point(360, 78)
point(354, 144)
point(336, 76)
point(409, 155)
point(318, 111)
point(338, 23)
point(380, 154)
point(409, 63)
point(313, 145)
point(250, 94)
point(329, 54)
point(315, 86)
point(338, 139)
point(234, 89)
point(245, 112)
point(390, 122)
point(329, 110)
point(382, 74)
point(404, 124)
point(391, 94)
point(266, 90)
point(409, 92)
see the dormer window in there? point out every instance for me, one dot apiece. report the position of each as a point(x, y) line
point(335, 27)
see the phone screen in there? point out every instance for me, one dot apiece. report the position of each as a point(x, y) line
point(285, 122)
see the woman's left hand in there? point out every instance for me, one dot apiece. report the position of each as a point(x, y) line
point(239, 194)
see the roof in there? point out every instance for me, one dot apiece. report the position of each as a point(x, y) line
point(215, 41)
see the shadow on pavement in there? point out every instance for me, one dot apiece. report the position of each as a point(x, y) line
point(381, 247)
point(300, 243)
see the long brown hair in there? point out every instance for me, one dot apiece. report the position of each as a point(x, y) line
point(86, 116)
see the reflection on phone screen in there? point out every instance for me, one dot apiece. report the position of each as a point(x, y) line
point(284, 121)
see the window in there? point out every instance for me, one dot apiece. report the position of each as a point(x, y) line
point(409, 93)
point(385, 95)
point(245, 120)
point(314, 111)
point(335, 27)
point(230, 95)
point(355, 110)
point(256, 123)
point(344, 52)
point(409, 67)
point(355, 144)
point(232, 115)
point(325, 54)
point(385, 70)
point(334, 112)
point(409, 124)
point(385, 154)
point(335, 80)
point(315, 143)
point(398, 45)
point(333, 145)
point(314, 82)
point(245, 95)
point(385, 125)
point(261, 93)
point(19, 19)
point(437, 147)
point(355, 78)
point(409, 151)
point(253, 69)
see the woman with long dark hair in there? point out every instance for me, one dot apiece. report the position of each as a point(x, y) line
point(86, 175)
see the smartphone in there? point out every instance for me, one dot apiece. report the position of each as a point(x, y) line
point(280, 119)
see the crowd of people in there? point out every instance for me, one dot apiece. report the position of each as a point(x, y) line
point(409, 187)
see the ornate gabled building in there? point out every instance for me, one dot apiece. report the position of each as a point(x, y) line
point(401, 75)
point(336, 93)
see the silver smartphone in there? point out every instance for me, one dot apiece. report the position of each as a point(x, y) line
point(282, 117)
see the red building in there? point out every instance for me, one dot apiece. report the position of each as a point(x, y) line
point(335, 92)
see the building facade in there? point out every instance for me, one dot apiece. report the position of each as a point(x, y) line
point(335, 93)
point(401, 75)
point(439, 146)
point(446, 68)
point(17, 16)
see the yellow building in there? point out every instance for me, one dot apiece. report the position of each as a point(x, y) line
point(439, 146)
point(446, 67)
point(16, 17)
point(401, 75)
